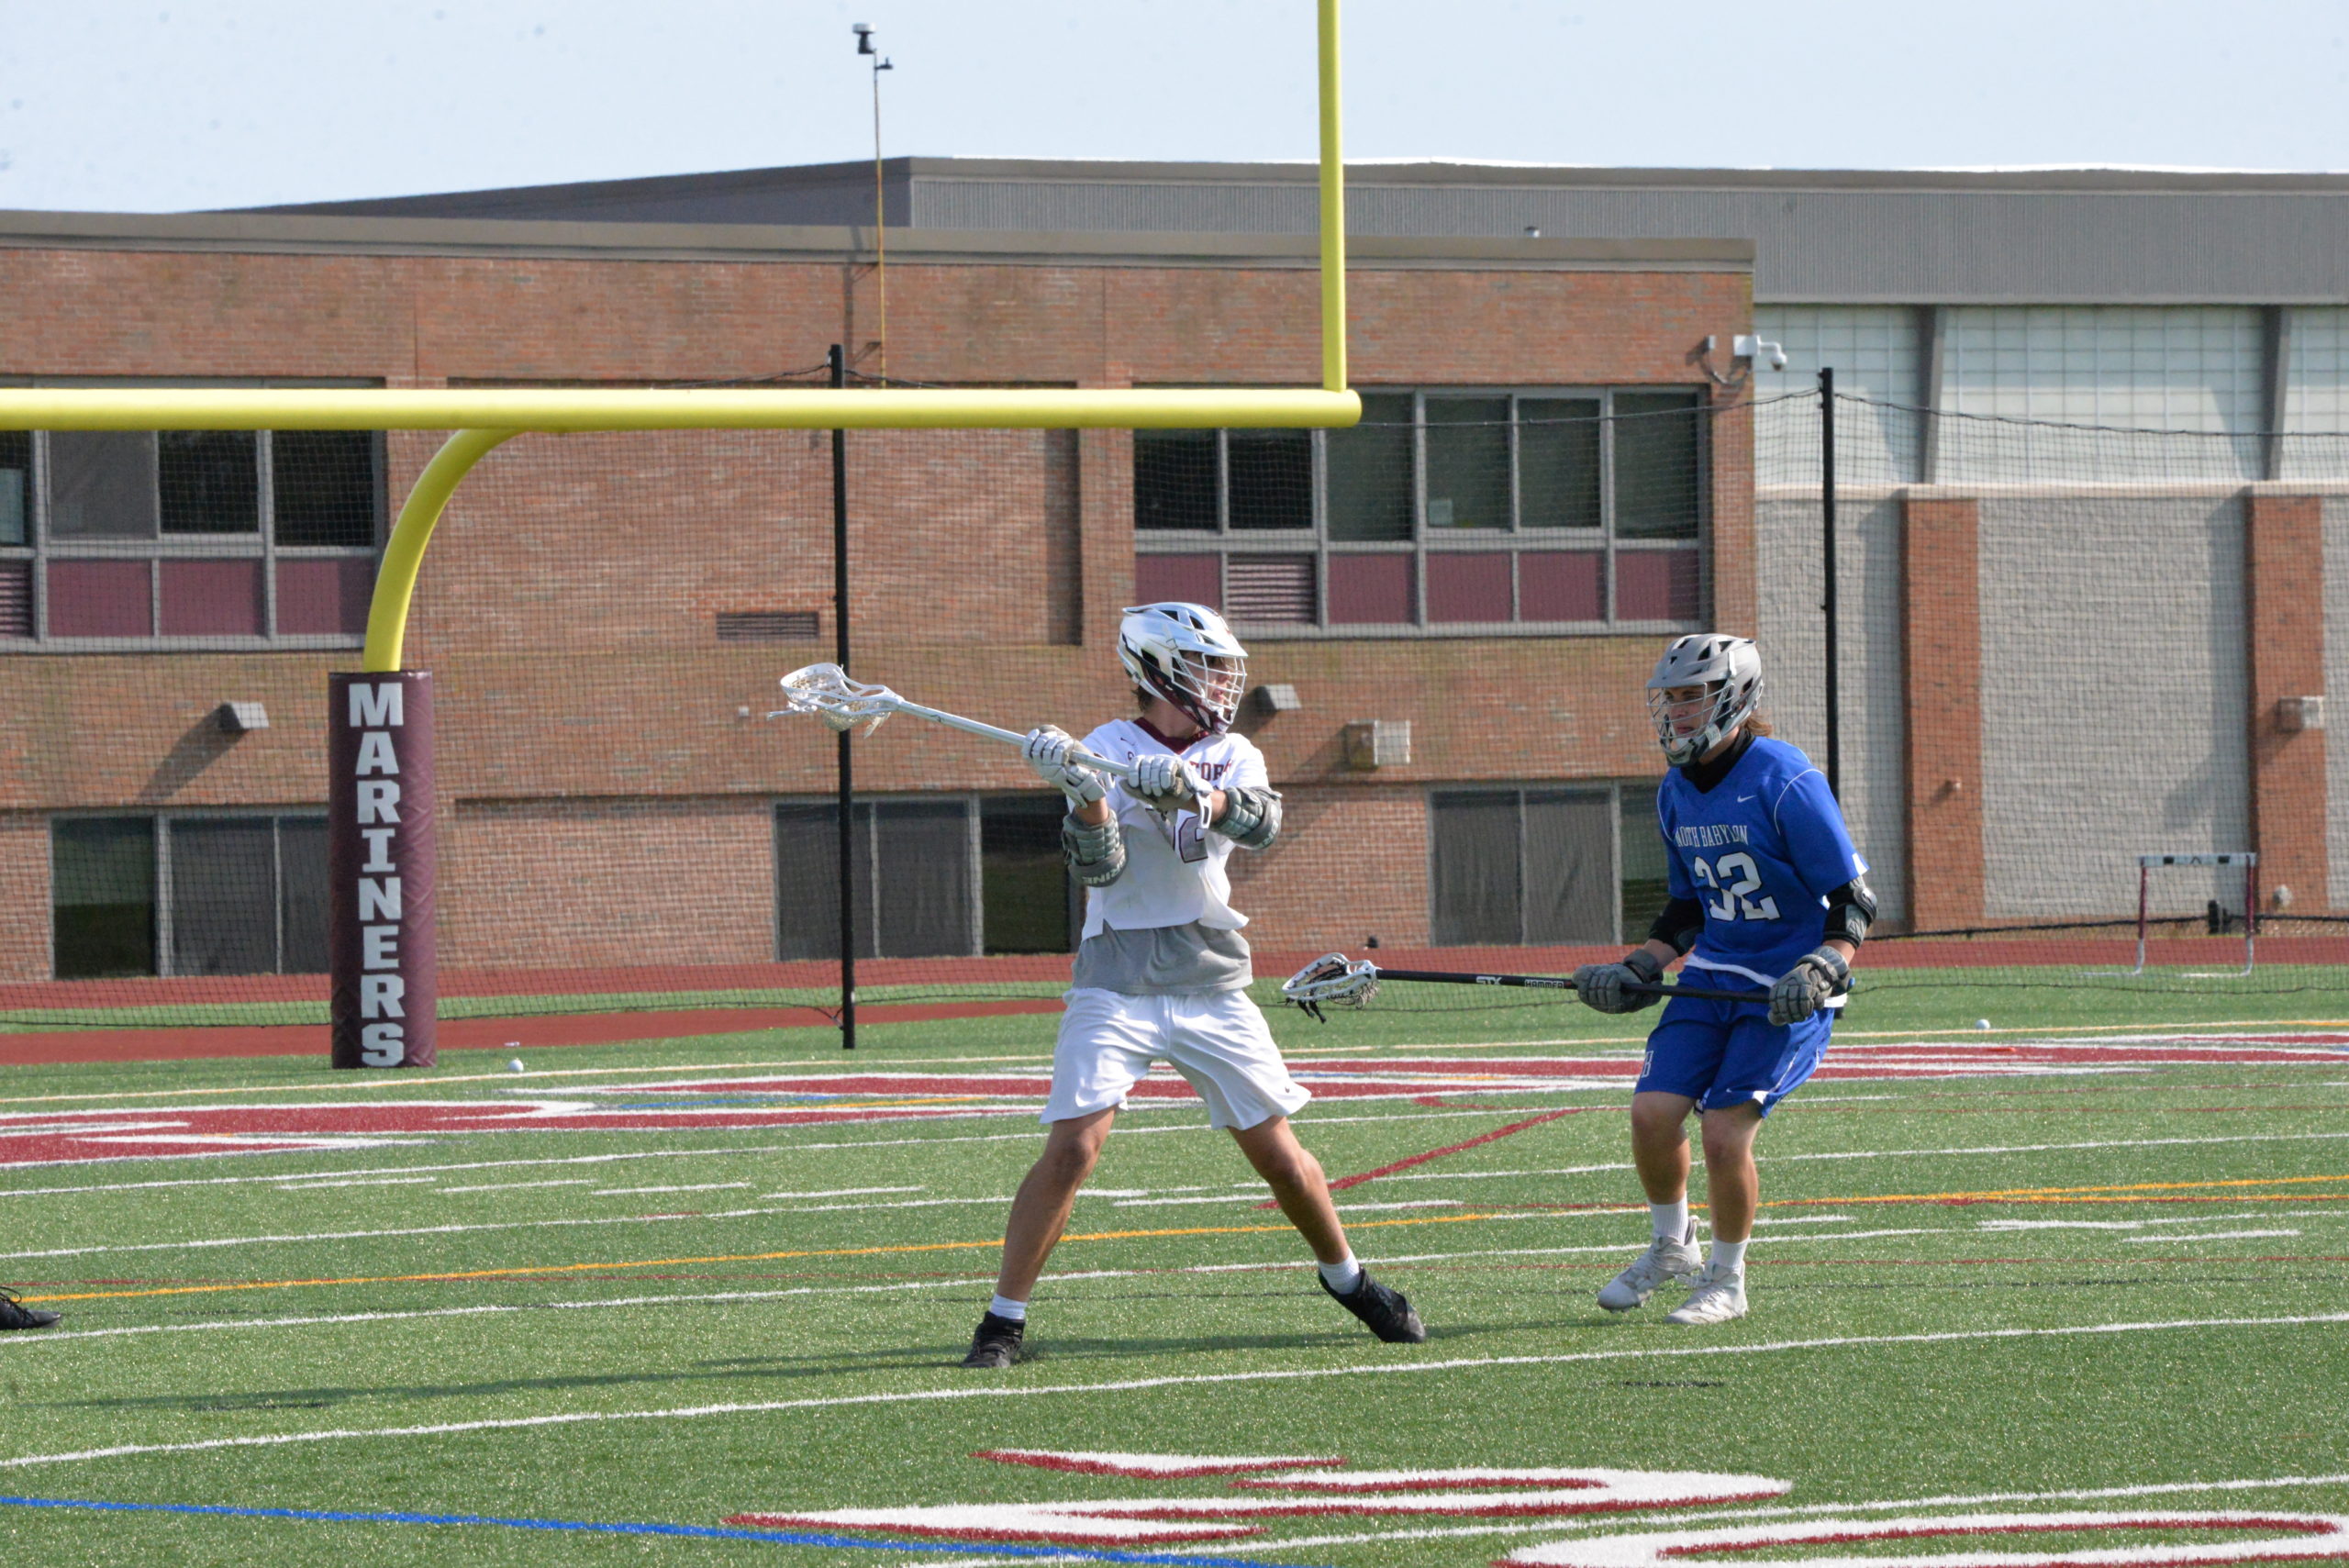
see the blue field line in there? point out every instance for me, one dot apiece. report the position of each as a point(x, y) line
point(698, 1532)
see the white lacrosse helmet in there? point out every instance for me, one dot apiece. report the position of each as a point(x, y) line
point(1186, 654)
point(1728, 670)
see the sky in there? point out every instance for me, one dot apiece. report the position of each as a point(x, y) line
point(186, 105)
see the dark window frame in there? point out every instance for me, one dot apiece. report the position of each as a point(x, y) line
point(973, 806)
point(163, 959)
point(1636, 846)
point(1517, 540)
point(43, 549)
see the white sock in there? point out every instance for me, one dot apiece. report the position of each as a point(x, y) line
point(1729, 1255)
point(1343, 1276)
point(1011, 1311)
point(1671, 1218)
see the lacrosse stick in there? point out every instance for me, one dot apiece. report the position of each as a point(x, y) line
point(825, 691)
point(1333, 981)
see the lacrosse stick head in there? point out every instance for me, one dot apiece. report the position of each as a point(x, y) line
point(825, 691)
point(1331, 981)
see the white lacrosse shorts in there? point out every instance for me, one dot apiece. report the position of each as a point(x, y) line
point(1218, 1040)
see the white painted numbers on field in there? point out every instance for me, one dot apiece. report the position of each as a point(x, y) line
point(377, 710)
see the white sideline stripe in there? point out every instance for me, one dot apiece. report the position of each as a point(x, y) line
point(1706, 1516)
point(301, 1187)
point(516, 1186)
point(1124, 1131)
point(487, 1224)
point(2213, 1236)
point(908, 1397)
point(699, 1187)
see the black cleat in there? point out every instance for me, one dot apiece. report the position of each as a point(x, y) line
point(1387, 1312)
point(997, 1345)
point(14, 1316)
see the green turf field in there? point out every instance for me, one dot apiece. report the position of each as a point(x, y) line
point(2013, 1279)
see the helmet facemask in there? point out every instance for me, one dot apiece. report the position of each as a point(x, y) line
point(1691, 720)
point(1705, 685)
point(1207, 687)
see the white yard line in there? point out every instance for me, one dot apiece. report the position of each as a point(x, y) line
point(2211, 1236)
point(1094, 1390)
point(517, 1186)
point(1742, 1512)
point(725, 1187)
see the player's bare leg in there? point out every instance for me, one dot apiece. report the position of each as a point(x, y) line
point(1660, 1152)
point(1733, 1189)
point(1299, 1185)
point(1302, 1191)
point(1039, 1211)
point(1039, 1214)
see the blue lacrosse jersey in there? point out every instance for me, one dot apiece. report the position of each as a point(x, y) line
point(1761, 851)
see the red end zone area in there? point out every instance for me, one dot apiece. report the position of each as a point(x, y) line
point(720, 1103)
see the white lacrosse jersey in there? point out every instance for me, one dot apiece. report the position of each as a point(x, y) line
point(1174, 868)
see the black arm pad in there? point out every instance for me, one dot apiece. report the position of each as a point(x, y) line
point(1851, 910)
point(1682, 922)
point(1252, 817)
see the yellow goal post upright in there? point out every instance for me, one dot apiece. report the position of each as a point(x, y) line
point(381, 850)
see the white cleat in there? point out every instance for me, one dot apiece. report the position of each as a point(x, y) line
point(1717, 1296)
point(1664, 1259)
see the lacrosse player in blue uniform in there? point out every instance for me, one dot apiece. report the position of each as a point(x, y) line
point(1766, 894)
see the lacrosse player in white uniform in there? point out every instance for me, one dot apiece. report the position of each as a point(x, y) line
point(1162, 971)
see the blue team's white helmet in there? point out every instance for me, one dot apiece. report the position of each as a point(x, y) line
point(1184, 653)
point(1725, 671)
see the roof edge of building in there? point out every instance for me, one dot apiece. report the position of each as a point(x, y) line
point(282, 232)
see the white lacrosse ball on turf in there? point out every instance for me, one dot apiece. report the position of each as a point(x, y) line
point(516, 1066)
point(1981, 1023)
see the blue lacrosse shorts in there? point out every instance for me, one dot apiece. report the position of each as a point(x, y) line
point(1726, 1053)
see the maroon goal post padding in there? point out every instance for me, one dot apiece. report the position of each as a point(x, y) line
point(381, 865)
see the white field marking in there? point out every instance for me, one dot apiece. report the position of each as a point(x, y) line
point(1154, 1466)
point(2211, 1236)
point(1094, 1390)
point(2049, 1147)
point(1125, 1130)
point(300, 1186)
point(2311, 1536)
point(1454, 1492)
point(488, 1225)
point(1803, 1219)
point(26, 1341)
point(716, 1187)
point(2151, 1489)
point(516, 1186)
point(1404, 1203)
point(2192, 1219)
point(835, 1192)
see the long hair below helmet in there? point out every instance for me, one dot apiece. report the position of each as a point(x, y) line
point(1186, 654)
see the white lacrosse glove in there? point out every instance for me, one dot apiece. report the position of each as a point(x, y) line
point(1166, 783)
point(1804, 989)
point(1050, 750)
point(1607, 986)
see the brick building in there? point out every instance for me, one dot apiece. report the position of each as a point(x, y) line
point(1540, 493)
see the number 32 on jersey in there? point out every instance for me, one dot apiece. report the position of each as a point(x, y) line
point(1735, 878)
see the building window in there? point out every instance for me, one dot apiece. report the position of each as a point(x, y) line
point(188, 895)
point(936, 876)
point(241, 539)
point(1442, 512)
point(1544, 865)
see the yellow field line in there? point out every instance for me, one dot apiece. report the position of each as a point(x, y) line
point(728, 1258)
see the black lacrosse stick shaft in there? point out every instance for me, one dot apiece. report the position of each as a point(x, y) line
point(1562, 983)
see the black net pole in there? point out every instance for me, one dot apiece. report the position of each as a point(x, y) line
point(838, 359)
point(1827, 553)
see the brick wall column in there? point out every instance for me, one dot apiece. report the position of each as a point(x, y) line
point(2284, 600)
point(1942, 610)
